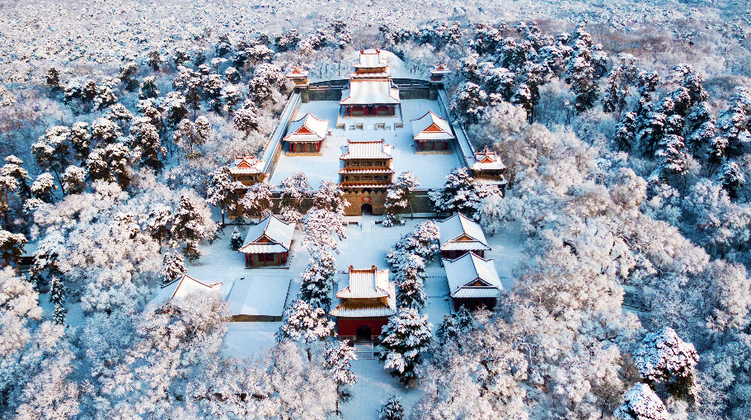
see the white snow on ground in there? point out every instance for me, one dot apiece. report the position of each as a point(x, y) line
point(431, 170)
point(506, 250)
point(249, 339)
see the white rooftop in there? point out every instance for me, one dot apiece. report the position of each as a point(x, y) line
point(458, 233)
point(487, 160)
point(431, 127)
point(185, 286)
point(370, 92)
point(470, 276)
point(259, 295)
point(270, 236)
point(307, 129)
point(247, 164)
point(366, 284)
point(367, 150)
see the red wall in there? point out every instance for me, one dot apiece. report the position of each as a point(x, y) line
point(349, 326)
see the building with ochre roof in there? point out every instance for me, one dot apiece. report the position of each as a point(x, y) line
point(473, 281)
point(460, 235)
point(488, 165)
point(306, 135)
point(247, 169)
point(370, 92)
point(268, 243)
point(432, 134)
point(365, 304)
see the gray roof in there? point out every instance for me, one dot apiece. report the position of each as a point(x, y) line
point(270, 236)
point(458, 226)
point(465, 272)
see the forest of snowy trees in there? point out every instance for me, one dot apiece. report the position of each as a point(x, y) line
point(625, 130)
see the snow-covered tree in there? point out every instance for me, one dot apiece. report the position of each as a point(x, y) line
point(664, 359)
point(236, 240)
point(295, 189)
point(398, 197)
point(74, 180)
point(149, 88)
point(392, 410)
point(323, 230)
point(57, 298)
point(641, 403)
point(410, 280)
point(246, 119)
point(257, 200)
point(330, 197)
point(319, 279)
point(403, 340)
point(43, 186)
point(192, 224)
point(461, 193)
point(304, 324)
point(469, 103)
point(11, 247)
point(148, 143)
point(336, 360)
point(222, 191)
point(173, 267)
point(423, 242)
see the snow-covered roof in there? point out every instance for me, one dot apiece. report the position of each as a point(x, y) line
point(365, 309)
point(369, 294)
point(307, 129)
point(261, 296)
point(487, 160)
point(370, 58)
point(367, 150)
point(458, 233)
point(183, 287)
point(349, 170)
point(431, 127)
point(366, 284)
point(270, 236)
point(246, 164)
point(441, 69)
point(370, 92)
point(297, 73)
point(472, 276)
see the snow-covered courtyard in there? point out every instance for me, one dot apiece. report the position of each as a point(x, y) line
point(367, 244)
point(430, 169)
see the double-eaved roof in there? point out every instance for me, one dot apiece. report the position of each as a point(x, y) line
point(247, 164)
point(270, 236)
point(369, 294)
point(370, 92)
point(367, 150)
point(307, 129)
point(431, 127)
point(470, 276)
point(458, 233)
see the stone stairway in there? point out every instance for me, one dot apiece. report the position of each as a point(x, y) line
point(364, 350)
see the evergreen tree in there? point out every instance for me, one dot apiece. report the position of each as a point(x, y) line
point(52, 78)
point(319, 280)
point(148, 143)
point(11, 247)
point(410, 280)
point(732, 178)
point(149, 88)
point(222, 191)
point(398, 197)
point(641, 403)
point(455, 327)
point(295, 189)
point(392, 410)
point(257, 200)
point(173, 267)
point(80, 139)
point(700, 129)
point(74, 180)
point(330, 197)
point(469, 103)
point(336, 360)
point(236, 240)
point(188, 228)
point(246, 119)
point(57, 297)
point(665, 360)
point(155, 61)
point(403, 340)
point(305, 324)
point(127, 76)
point(672, 157)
